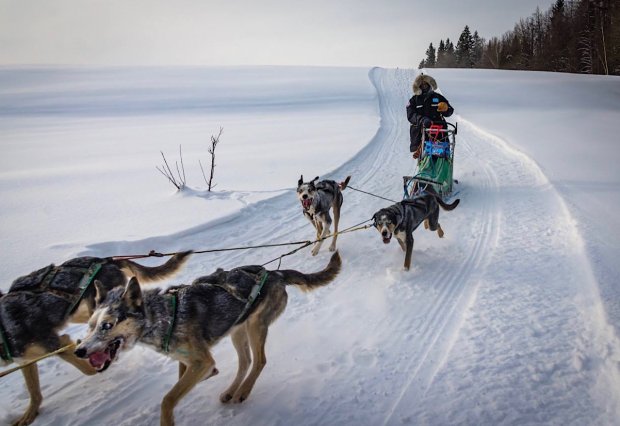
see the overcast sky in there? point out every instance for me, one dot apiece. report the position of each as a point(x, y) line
point(386, 33)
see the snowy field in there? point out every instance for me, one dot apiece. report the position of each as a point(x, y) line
point(512, 318)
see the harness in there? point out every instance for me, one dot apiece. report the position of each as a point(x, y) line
point(256, 289)
point(87, 279)
point(88, 275)
point(173, 305)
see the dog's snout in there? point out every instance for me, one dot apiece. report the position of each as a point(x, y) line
point(384, 233)
point(80, 353)
point(304, 196)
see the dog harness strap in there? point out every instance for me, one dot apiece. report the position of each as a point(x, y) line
point(173, 306)
point(5, 353)
point(230, 290)
point(48, 278)
point(253, 295)
point(87, 279)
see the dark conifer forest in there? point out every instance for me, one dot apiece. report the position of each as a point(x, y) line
point(577, 36)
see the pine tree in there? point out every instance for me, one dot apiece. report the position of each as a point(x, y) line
point(558, 39)
point(450, 59)
point(441, 55)
point(477, 49)
point(464, 48)
point(430, 57)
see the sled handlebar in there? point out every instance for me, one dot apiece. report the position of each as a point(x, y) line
point(453, 130)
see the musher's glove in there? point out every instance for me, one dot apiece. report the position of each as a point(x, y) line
point(442, 107)
point(426, 122)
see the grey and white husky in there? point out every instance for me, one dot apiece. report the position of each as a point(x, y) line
point(317, 198)
point(41, 303)
point(186, 321)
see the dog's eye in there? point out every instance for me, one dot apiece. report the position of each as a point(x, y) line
point(105, 326)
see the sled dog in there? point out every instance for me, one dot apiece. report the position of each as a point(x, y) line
point(401, 219)
point(187, 320)
point(317, 198)
point(39, 304)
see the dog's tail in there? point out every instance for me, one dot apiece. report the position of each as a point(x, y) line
point(344, 184)
point(147, 274)
point(308, 282)
point(450, 206)
point(441, 202)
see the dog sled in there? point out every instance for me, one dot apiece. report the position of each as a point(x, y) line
point(435, 164)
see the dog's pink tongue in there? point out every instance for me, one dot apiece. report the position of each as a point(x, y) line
point(306, 203)
point(98, 359)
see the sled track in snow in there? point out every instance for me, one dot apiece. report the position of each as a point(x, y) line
point(455, 285)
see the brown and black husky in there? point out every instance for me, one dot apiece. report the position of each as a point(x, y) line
point(41, 303)
point(186, 321)
point(316, 199)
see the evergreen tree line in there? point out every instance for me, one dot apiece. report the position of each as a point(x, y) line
point(579, 36)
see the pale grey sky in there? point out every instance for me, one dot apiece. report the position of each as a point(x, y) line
point(244, 32)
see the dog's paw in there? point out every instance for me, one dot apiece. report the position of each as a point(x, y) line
point(27, 418)
point(314, 251)
point(239, 397)
point(332, 248)
point(225, 398)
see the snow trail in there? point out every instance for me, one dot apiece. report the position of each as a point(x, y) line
point(499, 329)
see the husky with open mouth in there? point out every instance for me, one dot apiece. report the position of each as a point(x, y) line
point(44, 301)
point(317, 198)
point(186, 321)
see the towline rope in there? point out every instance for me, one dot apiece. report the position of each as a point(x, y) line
point(308, 243)
point(35, 360)
point(303, 244)
point(153, 253)
point(370, 193)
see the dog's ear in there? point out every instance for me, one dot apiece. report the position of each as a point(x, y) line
point(374, 219)
point(315, 179)
point(300, 181)
point(132, 295)
point(100, 292)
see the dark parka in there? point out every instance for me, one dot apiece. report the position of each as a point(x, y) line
point(423, 105)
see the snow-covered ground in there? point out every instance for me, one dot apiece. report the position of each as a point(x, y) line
point(512, 318)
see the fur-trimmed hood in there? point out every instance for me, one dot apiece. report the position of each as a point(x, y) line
point(418, 81)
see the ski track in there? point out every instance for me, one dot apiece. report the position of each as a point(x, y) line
point(368, 376)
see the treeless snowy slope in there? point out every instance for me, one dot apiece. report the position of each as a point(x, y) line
point(498, 323)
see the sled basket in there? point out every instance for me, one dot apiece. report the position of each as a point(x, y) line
point(436, 163)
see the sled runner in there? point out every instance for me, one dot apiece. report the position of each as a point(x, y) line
point(436, 163)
